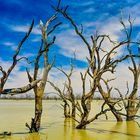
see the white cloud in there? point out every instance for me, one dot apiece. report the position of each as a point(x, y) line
point(24, 28)
point(70, 43)
point(5, 64)
point(87, 3)
point(90, 10)
point(12, 45)
point(8, 44)
point(19, 78)
point(122, 76)
point(38, 39)
point(59, 79)
point(111, 28)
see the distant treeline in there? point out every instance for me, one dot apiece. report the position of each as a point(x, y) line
point(48, 97)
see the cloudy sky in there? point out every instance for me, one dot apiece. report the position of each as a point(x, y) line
point(95, 15)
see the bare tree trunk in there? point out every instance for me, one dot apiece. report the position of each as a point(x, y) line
point(86, 107)
point(36, 121)
point(131, 108)
point(103, 111)
point(106, 97)
point(113, 110)
point(73, 110)
point(39, 89)
point(82, 124)
point(66, 110)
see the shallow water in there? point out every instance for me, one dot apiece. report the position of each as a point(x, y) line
point(14, 114)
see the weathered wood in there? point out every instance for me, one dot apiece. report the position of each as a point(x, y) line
point(39, 89)
point(62, 95)
point(99, 65)
point(15, 91)
point(5, 74)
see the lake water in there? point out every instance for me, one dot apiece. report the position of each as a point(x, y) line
point(15, 113)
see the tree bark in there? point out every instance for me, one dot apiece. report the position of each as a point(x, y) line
point(66, 110)
point(39, 89)
point(73, 110)
point(131, 108)
point(117, 116)
point(106, 98)
point(86, 107)
point(36, 121)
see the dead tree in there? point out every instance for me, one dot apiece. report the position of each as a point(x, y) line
point(100, 62)
point(132, 106)
point(67, 93)
point(61, 94)
point(85, 101)
point(130, 102)
point(6, 74)
point(107, 98)
point(86, 104)
point(39, 89)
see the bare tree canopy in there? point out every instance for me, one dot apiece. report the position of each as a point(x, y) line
point(100, 62)
point(6, 74)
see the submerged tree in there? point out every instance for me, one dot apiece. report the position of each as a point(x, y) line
point(101, 62)
point(67, 94)
point(130, 102)
point(69, 90)
point(38, 85)
point(39, 89)
point(61, 94)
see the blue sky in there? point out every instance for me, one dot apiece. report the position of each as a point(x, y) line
point(100, 15)
point(16, 15)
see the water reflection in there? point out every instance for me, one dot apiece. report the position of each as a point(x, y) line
point(69, 128)
point(35, 136)
point(71, 133)
point(131, 130)
point(66, 128)
point(116, 131)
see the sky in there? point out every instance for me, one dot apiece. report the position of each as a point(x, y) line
point(95, 15)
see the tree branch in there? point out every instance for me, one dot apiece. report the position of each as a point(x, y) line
point(14, 91)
